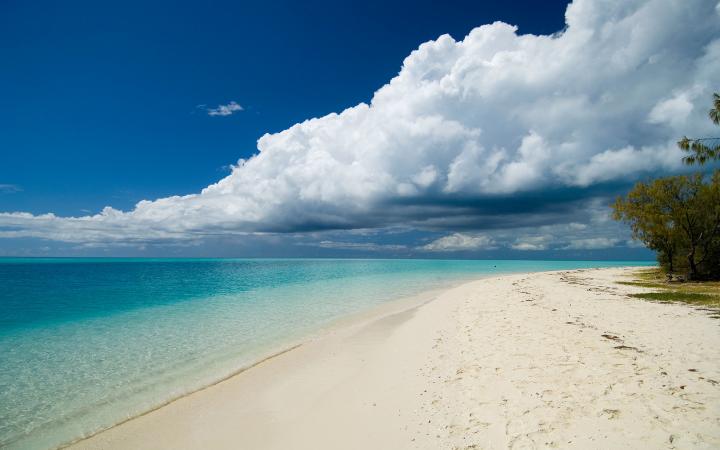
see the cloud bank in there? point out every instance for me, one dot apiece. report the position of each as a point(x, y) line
point(497, 130)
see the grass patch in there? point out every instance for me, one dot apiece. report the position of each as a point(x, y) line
point(652, 275)
point(674, 296)
point(705, 293)
point(638, 284)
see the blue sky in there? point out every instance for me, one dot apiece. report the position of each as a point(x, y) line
point(109, 105)
point(88, 86)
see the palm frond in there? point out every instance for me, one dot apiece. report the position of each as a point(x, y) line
point(714, 113)
point(702, 150)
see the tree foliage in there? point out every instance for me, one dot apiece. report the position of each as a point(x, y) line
point(703, 150)
point(679, 217)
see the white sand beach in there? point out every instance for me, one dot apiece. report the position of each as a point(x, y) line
point(543, 360)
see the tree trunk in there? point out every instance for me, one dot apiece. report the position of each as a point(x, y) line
point(693, 267)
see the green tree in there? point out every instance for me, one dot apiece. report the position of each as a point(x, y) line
point(714, 113)
point(645, 210)
point(704, 149)
point(678, 217)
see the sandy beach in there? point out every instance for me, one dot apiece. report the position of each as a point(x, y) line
point(556, 359)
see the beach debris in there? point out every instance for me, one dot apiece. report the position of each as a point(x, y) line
point(627, 347)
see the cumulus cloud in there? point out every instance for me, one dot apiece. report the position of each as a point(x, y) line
point(495, 130)
point(460, 242)
point(225, 110)
point(531, 243)
point(592, 243)
point(675, 110)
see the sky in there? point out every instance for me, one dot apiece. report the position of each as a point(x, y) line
point(355, 129)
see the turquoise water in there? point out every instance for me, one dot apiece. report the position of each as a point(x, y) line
point(87, 343)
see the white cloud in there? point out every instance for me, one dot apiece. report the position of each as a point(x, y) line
point(225, 110)
point(495, 114)
point(531, 243)
point(634, 243)
point(592, 243)
point(674, 110)
point(365, 246)
point(460, 242)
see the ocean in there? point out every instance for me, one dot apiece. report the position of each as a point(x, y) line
point(86, 343)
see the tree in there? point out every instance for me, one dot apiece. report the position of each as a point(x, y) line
point(679, 217)
point(714, 113)
point(645, 210)
point(704, 149)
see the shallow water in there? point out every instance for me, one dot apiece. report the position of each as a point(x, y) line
point(86, 343)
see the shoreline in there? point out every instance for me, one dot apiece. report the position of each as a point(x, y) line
point(356, 319)
point(257, 397)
